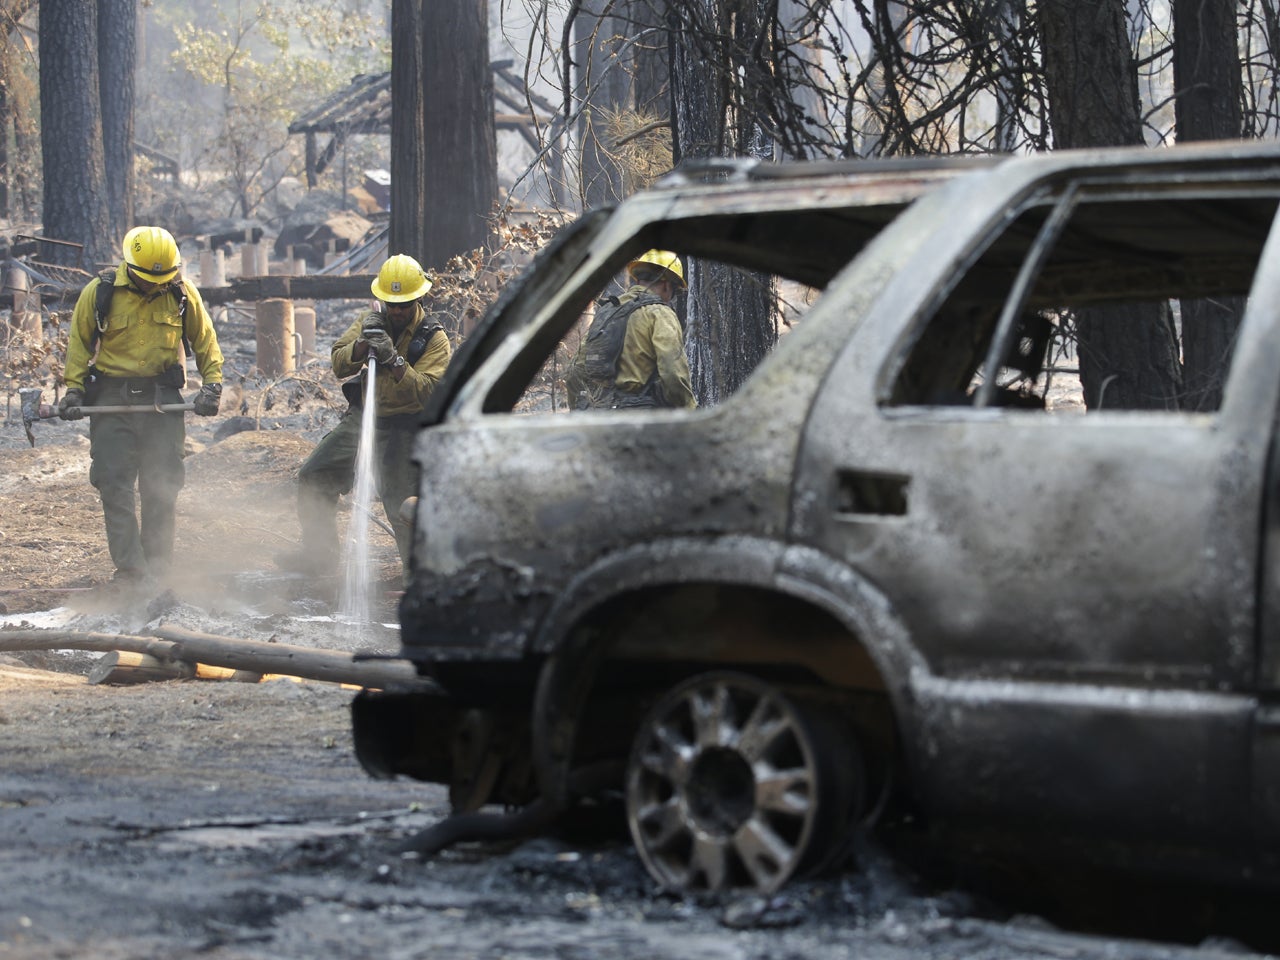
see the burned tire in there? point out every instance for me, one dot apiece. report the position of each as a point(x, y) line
point(731, 784)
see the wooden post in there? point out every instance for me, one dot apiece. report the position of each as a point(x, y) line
point(304, 325)
point(25, 316)
point(275, 337)
point(293, 266)
point(213, 268)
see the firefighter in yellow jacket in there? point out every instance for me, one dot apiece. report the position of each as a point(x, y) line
point(633, 354)
point(129, 347)
point(411, 352)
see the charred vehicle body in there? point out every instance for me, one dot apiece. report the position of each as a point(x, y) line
point(903, 566)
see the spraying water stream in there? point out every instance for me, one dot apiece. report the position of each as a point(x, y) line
point(355, 603)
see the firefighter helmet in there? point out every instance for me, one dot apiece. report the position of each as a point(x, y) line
point(663, 260)
point(400, 280)
point(152, 252)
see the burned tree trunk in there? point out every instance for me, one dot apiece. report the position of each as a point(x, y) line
point(117, 57)
point(444, 168)
point(1128, 355)
point(460, 175)
point(731, 321)
point(408, 227)
point(1089, 70)
point(600, 87)
point(11, 12)
point(649, 61)
point(75, 195)
point(1207, 84)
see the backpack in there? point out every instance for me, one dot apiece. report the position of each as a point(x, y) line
point(595, 366)
point(418, 345)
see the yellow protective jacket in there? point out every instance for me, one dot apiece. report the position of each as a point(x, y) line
point(411, 393)
point(143, 335)
point(654, 342)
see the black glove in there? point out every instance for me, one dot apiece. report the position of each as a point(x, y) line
point(380, 346)
point(70, 404)
point(207, 400)
point(374, 321)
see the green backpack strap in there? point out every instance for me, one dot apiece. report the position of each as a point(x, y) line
point(101, 306)
point(421, 337)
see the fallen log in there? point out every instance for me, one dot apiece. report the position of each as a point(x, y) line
point(123, 667)
point(176, 644)
point(120, 667)
point(309, 663)
point(12, 641)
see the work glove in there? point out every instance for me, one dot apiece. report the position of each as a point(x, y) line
point(207, 400)
point(374, 321)
point(69, 407)
point(380, 346)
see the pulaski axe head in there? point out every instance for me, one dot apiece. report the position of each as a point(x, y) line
point(32, 410)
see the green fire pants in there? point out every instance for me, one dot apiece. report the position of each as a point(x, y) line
point(329, 472)
point(136, 461)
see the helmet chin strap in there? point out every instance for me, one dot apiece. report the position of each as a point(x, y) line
point(145, 284)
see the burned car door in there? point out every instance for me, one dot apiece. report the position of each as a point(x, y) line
point(521, 495)
point(1080, 586)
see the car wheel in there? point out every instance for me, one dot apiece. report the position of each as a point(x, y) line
point(731, 784)
point(477, 763)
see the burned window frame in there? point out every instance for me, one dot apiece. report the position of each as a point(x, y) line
point(820, 242)
point(1015, 341)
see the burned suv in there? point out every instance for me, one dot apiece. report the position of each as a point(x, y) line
point(904, 567)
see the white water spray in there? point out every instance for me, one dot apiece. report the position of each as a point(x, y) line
point(356, 600)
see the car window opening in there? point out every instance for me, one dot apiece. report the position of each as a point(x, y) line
point(1115, 261)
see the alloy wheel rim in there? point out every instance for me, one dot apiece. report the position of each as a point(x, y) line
point(723, 787)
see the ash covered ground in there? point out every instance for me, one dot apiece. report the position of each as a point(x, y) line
point(232, 820)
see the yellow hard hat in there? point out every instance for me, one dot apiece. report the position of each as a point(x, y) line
point(400, 280)
point(663, 259)
point(152, 252)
